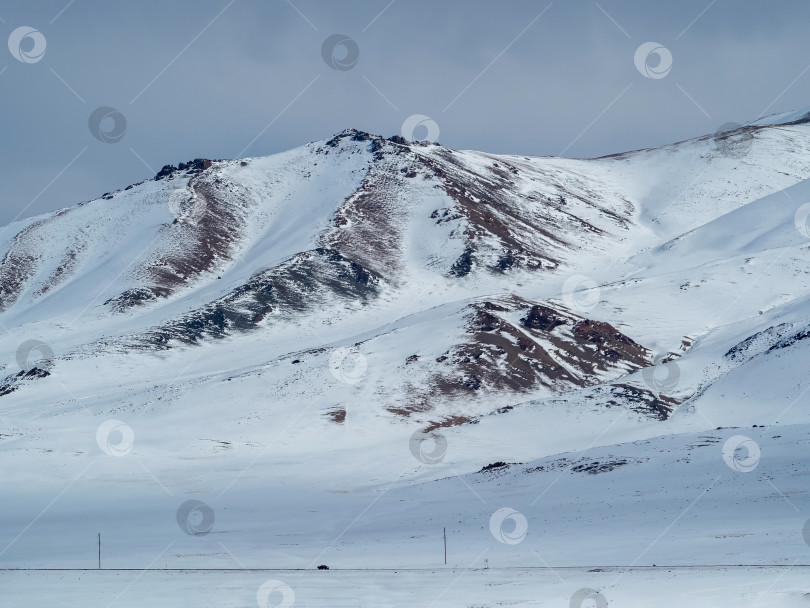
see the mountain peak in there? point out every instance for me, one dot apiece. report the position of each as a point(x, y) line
point(358, 135)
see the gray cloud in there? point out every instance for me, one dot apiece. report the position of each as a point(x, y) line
point(538, 96)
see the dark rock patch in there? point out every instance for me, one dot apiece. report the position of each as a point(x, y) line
point(542, 318)
point(13, 382)
point(464, 264)
point(595, 467)
point(495, 465)
point(337, 415)
point(303, 283)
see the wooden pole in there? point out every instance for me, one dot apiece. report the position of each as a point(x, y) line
point(444, 533)
point(99, 550)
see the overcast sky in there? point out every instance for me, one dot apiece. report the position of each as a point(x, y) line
point(222, 78)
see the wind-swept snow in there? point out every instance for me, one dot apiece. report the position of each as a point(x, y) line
point(344, 349)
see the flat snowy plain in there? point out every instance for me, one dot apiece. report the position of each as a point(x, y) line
point(699, 587)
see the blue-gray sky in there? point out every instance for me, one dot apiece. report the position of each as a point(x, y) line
point(205, 78)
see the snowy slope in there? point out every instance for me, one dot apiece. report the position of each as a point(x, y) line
point(342, 349)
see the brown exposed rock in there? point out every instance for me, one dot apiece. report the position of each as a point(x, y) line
point(611, 343)
point(308, 280)
point(370, 223)
point(448, 422)
point(337, 415)
point(642, 400)
point(210, 237)
point(494, 207)
point(19, 265)
point(542, 318)
point(548, 348)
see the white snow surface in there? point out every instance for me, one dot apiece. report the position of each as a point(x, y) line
point(709, 265)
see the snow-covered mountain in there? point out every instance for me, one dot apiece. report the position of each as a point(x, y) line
point(342, 349)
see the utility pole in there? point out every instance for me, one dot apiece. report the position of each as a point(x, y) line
point(444, 533)
point(99, 550)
